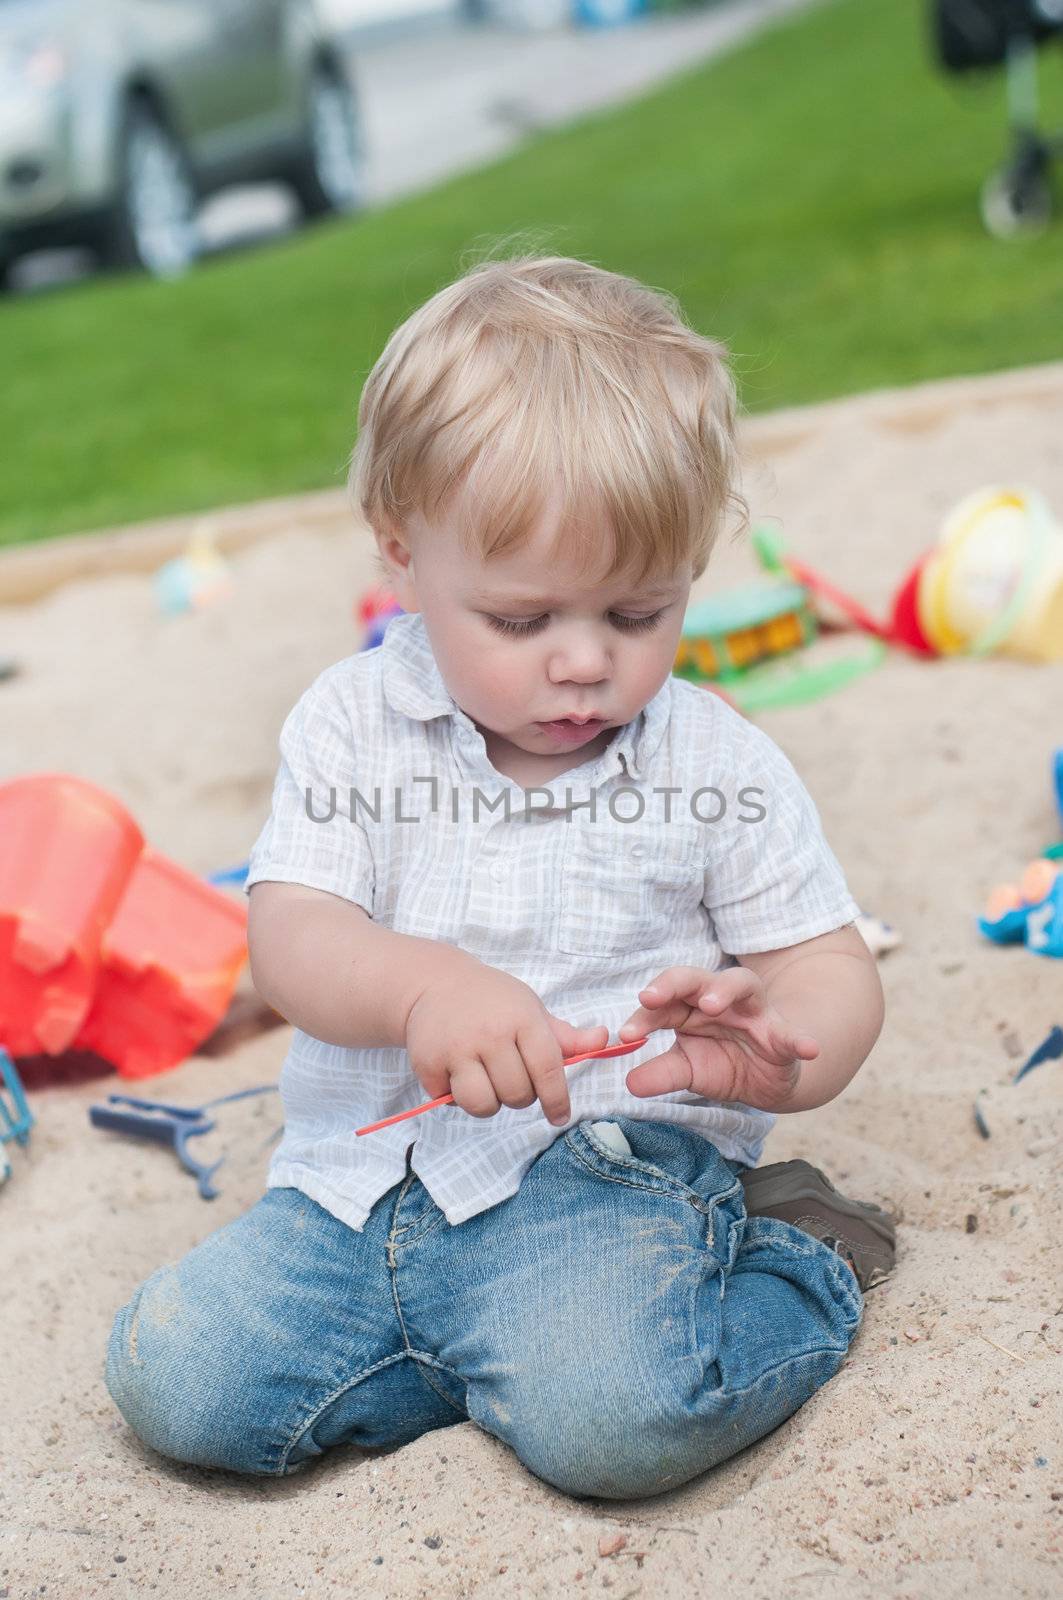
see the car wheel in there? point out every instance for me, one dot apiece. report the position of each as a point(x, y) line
point(153, 223)
point(329, 176)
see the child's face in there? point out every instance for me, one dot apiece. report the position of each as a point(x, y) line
point(523, 640)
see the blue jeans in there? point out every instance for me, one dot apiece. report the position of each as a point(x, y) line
point(618, 1322)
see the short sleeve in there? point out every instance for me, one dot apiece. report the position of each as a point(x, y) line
point(310, 836)
point(771, 879)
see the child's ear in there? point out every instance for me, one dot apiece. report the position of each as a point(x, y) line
point(398, 561)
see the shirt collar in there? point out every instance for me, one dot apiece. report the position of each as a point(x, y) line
point(414, 686)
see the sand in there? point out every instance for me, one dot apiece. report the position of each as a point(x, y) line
point(933, 1463)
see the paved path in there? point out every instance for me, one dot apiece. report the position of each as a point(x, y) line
point(437, 103)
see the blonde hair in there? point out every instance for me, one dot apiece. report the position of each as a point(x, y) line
point(539, 372)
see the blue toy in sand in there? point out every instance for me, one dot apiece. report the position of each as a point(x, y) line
point(1036, 922)
point(173, 1125)
point(1031, 912)
point(16, 1118)
point(237, 876)
point(1044, 923)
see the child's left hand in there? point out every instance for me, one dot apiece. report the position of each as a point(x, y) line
point(729, 1045)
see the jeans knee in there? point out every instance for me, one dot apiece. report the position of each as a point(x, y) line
point(182, 1407)
point(582, 1463)
point(139, 1376)
point(651, 1436)
point(135, 1385)
point(589, 1445)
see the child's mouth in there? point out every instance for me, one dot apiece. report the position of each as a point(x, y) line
point(570, 732)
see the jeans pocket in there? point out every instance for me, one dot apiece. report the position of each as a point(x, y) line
point(715, 1194)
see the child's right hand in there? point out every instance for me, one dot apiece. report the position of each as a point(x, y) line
point(486, 1038)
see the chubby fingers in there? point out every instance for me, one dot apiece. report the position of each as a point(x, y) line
point(669, 999)
point(733, 986)
point(472, 1088)
point(542, 1056)
point(662, 1074)
point(769, 1035)
point(795, 1046)
point(515, 1075)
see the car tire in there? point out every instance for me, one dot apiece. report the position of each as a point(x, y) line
point(329, 173)
point(152, 224)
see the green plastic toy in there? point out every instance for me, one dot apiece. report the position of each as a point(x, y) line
point(752, 640)
point(726, 634)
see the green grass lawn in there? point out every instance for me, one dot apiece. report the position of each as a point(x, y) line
point(812, 199)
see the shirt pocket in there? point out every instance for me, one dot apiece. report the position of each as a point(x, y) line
point(628, 888)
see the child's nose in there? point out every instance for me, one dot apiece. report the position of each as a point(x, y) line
point(585, 662)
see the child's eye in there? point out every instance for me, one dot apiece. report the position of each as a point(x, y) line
point(633, 624)
point(526, 625)
point(523, 626)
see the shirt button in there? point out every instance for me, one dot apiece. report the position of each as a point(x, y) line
point(498, 871)
point(638, 850)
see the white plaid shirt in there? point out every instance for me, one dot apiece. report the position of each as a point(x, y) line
point(584, 907)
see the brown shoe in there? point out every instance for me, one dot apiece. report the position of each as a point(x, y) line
point(799, 1193)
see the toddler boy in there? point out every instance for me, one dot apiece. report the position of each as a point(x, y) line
point(502, 837)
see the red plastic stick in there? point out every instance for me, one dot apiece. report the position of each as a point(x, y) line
point(447, 1099)
point(845, 603)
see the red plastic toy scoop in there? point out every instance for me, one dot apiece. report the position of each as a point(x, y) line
point(447, 1099)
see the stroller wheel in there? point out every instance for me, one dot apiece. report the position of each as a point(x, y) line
point(1014, 204)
